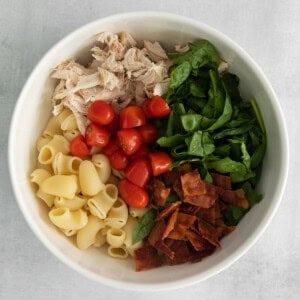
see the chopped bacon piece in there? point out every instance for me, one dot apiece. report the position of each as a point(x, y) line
point(192, 185)
point(223, 229)
point(236, 197)
point(204, 201)
point(211, 214)
point(168, 210)
point(178, 233)
point(188, 208)
point(161, 246)
point(157, 233)
point(221, 180)
point(171, 223)
point(160, 192)
point(186, 220)
point(183, 223)
point(147, 258)
point(180, 250)
point(172, 176)
point(208, 232)
point(196, 256)
point(197, 241)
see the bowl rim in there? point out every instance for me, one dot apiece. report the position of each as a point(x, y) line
point(230, 259)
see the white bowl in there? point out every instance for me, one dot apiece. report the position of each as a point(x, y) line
point(32, 111)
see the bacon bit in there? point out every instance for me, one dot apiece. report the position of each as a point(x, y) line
point(183, 223)
point(196, 256)
point(197, 241)
point(168, 210)
point(170, 224)
point(180, 250)
point(178, 233)
point(236, 197)
point(208, 232)
point(221, 180)
point(161, 246)
point(160, 192)
point(204, 201)
point(186, 220)
point(172, 176)
point(188, 208)
point(223, 229)
point(192, 185)
point(147, 258)
point(178, 188)
point(211, 214)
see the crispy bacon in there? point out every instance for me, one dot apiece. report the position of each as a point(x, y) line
point(196, 256)
point(221, 180)
point(188, 208)
point(183, 223)
point(172, 176)
point(223, 229)
point(180, 250)
point(147, 258)
point(197, 241)
point(159, 191)
point(211, 214)
point(208, 232)
point(168, 210)
point(236, 197)
point(192, 185)
point(157, 233)
point(204, 201)
point(171, 223)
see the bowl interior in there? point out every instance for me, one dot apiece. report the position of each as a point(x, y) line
point(34, 108)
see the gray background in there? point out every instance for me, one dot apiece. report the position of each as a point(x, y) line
point(268, 30)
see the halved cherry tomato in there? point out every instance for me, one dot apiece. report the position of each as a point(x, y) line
point(143, 152)
point(96, 136)
point(118, 160)
point(113, 126)
point(138, 172)
point(148, 132)
point(111, 147)
point(78, 147)
point(100, 112)
point(130, 140)
point(132, 194)
point(132, 116)
point(160, 162)
point(156, 107)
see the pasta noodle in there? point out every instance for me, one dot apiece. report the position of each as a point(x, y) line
point(48, 199)
point(87, 235)
point(42, 141)
point(100, 240)
point(68, 232)
point(137, 212)
point(118, 214)
point(39, 175)
point(63, 218)
point(71, 134)
point(119, 252)
point(101, 203)
point(69, 123)
point(52, 128)
point(60, 185)
point(73, 204)
point(89, 180)
point(115, 237)
point(102, 165)
point(65, 164)
point(128, 229)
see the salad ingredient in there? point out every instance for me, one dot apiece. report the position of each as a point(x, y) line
point(100, 112)
point(111, 147)
point(149, 133)
point(132, 116)
point(113, 126)
point(78, 147)
point(160, 162)
point(156, 107)
point(138, 172)
point(118, 159)
point(130, 140)
point(96, 136)
point(143, 152)
point(132, 194)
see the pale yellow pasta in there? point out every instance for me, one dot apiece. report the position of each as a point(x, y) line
point(48, 199)
point(104, 230)
point(39, 175)
point(128, 229)
point(52, 128)
point(89, 180)
point(118, 252)
point(118, 214)
point(65, 164)
point(42, 141)
point(73, 204)
point(117, 173)
point(63, 218)
point(68, 232)
point(115, 237)
point(46, 167)
point(63, 115)
point(69, 123)
point(102, 165)
point(137, 212)
point(60, 185)
point(57, 144)
point(100, 240)
point(101, 203)
point(86, 236)
point(71, 134)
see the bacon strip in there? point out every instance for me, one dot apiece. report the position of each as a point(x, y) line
point(208, 232)
point(147, 258)
point(180, 250)
point(188, 208)
point(236, 197)
point(197, 241)
point(204, 201)
point(221, 180)
point(192, 185)
point(160, 192)
point(170, 224)
point(168, 210)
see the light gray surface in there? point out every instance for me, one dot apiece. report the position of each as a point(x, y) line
point(268, 30)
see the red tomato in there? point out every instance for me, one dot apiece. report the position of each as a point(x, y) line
point(156, 107)
point(96, 136)
point(149, 133)
point(101, 112)
point(113, 126)
point(118, 160)
point(111, 147)
point(132, 116)
point(160, 162)
point(138, 172)
point(78, 147)
point(132, 194)
point(130, 140)
point(143, 151)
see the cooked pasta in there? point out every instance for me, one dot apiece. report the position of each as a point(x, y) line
point(137, 212)
point(128, 229)
point(115, 237)
point(69, 123)
point(39, 175)
point(118, 252)
point(63, 218)
point(42, 141)
point(102, 165)
point(73, 204)
point(60, 185)
point(71, 134)
point(101, 203)
point(68, 232)
point(52, 128)
point(87, 235)
point(89, 180)
point(118, 214)
point(48, 199)
point(100, 240)
point(65, 164)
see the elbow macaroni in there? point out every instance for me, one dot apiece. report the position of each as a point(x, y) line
point(118, 215)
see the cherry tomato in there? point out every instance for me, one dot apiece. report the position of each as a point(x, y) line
point(149, 133)
point(111, 147)
point(138, 172)
point(118, 160)
point(160, 162)
point(132, 116)
point(143, 152)
point(130, 140)
point(132, 194)
point(96, 136)
point(78, 147)
point(101, 112)
point(113, 126)
point(156, 107)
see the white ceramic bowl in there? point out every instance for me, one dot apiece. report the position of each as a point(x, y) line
point(33, 110)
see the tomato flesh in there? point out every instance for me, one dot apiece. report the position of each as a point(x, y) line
point(78, 147)
point(101, 112)
point(138, 172)
point(132, 194)
point(118, 160)
point(96, 136)
point(160, 162)
point(113, 126)
point(149, 133)
point(111, 147)
point(130, 140)
point(143, 152)
point(132, 116)
point(156, 107)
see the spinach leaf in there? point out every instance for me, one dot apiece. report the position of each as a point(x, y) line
point(200, 144)
point(196, 90)
point(193, 122)
point(144, 226)
point(179, 74)
point(233, 131)
point(251, 195)
point(173, 197)
point(171, 141)
point(233, 215)
point(231, 82)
